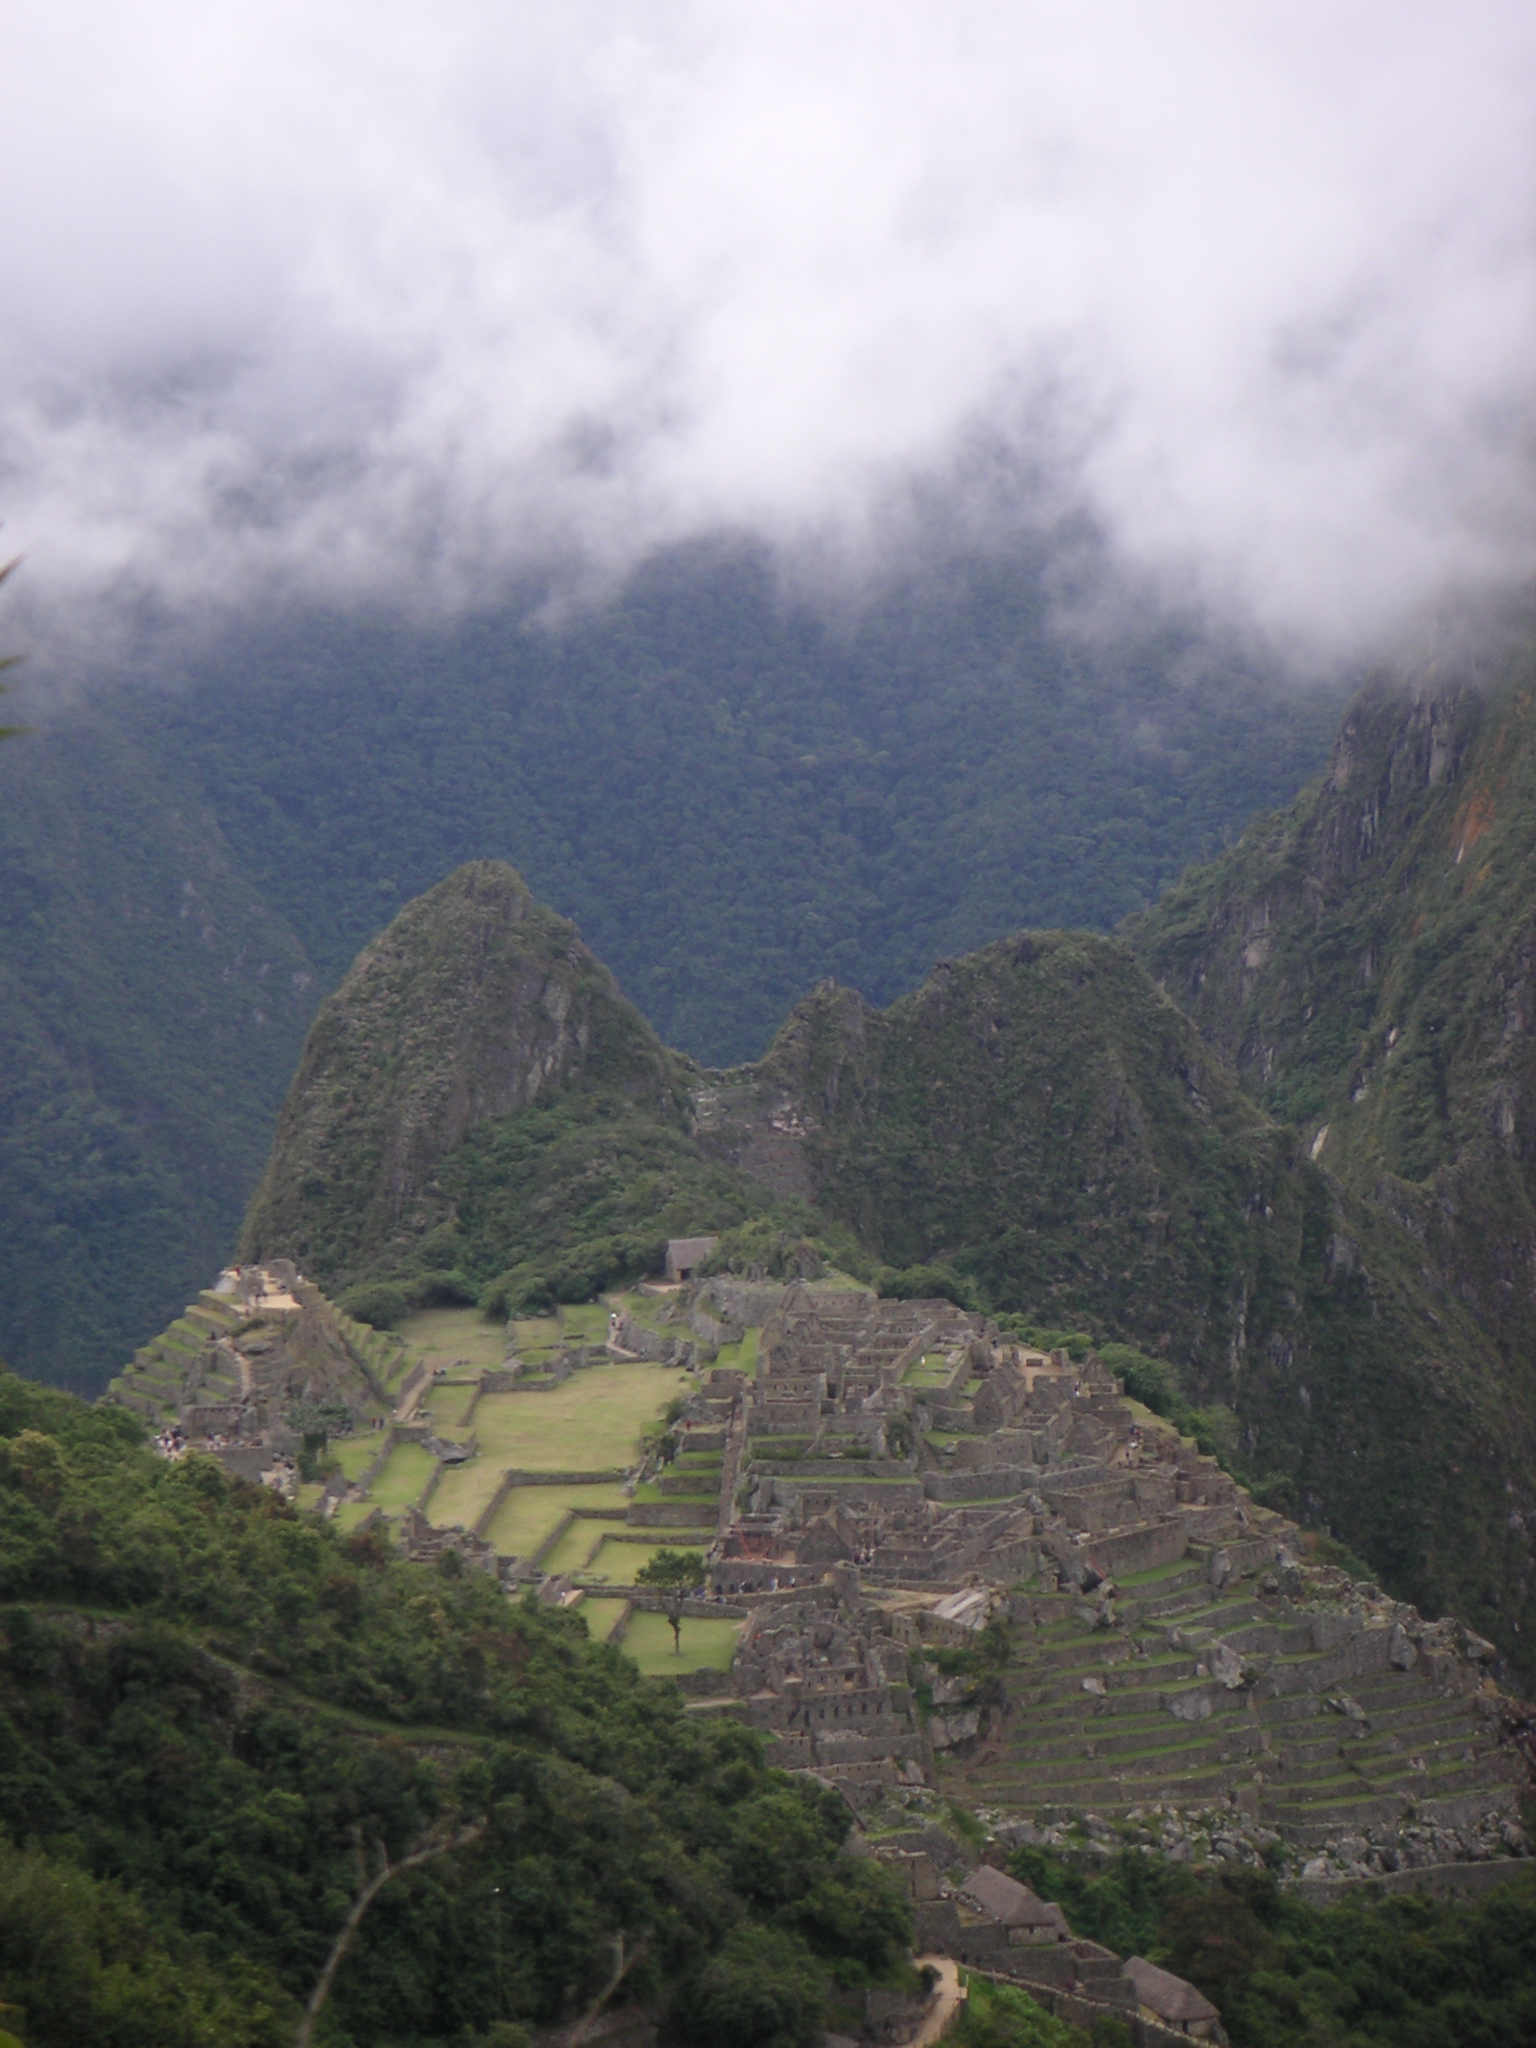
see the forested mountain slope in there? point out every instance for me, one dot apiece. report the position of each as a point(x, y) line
point(1038, 1116)
point(735, 794)
point(479, 1113)
point(219, 1717)
point(1042, 1117)
point(1367, 961)
point(152, 1006)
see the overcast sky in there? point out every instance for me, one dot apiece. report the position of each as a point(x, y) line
point(372, 300)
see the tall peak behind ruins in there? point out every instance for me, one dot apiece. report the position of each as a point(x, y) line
point(475, 1003)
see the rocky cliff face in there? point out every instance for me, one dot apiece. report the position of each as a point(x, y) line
point(1041, 1115)
point(475, 1003)
point(1367, 963)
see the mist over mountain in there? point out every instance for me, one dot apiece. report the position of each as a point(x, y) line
point(734, 795)
point(376, 312)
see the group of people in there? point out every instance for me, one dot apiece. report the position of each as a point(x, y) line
point(172, 1442)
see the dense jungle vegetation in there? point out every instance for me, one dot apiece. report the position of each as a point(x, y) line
point(217, 1716)
point(1388, 1972)
point(733, 793)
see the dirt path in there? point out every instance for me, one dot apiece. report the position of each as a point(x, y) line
point(946, 2002)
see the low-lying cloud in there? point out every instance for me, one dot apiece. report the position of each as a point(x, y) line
point(383, 303)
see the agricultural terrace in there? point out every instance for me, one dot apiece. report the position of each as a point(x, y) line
point(530, 1515)
point(615, 1560)
point(741, 1357)
point(442, 1336)
point(601, 1615)
point(705, 1642)
point(593, 1423)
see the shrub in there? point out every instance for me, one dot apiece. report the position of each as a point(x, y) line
point(381, 1303)
point(927, 1283)
point(763, 1990)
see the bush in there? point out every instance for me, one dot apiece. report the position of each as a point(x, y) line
point(1076, 1343)
point(443, 1289)
point(927, 1283)
point(763, 1990)
point(999, 2016)
point(381, 1303)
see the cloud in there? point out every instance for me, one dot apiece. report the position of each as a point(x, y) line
point(370, 303)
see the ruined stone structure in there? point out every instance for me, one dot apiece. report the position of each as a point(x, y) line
point(254, 1364)
point(898, 1479)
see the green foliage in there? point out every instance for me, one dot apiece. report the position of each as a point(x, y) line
point(153, 1007)
point(225, 1708)
point(1123, 1906)
point(81, 1960)
point(927, 1283)
point(1399, 1971)
point(1155, 1383)
point(770, 1247)
point(1002, 2016)
point(1076, 1343)
point(1328, 1550)
point(673, 1571)
point(763, 1990)
point(383, 1304)
point(677, 1575)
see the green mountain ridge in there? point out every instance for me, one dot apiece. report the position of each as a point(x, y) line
point(1040, 1117)
point(153, 1008)
point(734, 794)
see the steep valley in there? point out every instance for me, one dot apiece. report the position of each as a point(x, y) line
point(1041, 1121)
point(1089, 1444)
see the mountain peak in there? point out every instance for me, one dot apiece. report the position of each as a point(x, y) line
point(473, 1003)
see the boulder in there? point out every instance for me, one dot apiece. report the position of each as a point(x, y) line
point(1189, 1706)
point(1227, 1667)
point(1400, 1650)
point(948, 1731)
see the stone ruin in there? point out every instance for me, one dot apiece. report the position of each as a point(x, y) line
point(971, 1569)
point(256, 1362)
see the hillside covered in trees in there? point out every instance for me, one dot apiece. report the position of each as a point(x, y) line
point(733, 791)
point(218, 1716)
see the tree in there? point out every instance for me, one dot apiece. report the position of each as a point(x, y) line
point(440, 1840)
point(763, 1989)
point(677, 1575)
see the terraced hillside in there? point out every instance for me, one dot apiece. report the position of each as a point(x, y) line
point(1307, 1722)
point(1102, 1634)
point(255, 1365)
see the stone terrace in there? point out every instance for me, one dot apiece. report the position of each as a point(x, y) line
point(907, 1478)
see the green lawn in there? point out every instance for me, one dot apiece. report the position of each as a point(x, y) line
point(442, 1336)
point(592, 1423)
point(529, 1513)
point(928, 1371)
point(646, 1309)
point(742, 1356)
point(354, 1454)
point(402, 1479)
point(534, 1333)
point(617, 1559)
point(447, 1405)
point(585, 1322)
point(708, 1642)
point(352, 1512)
point(466, 1491)
point(578, 1543)
point(600, 1615)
